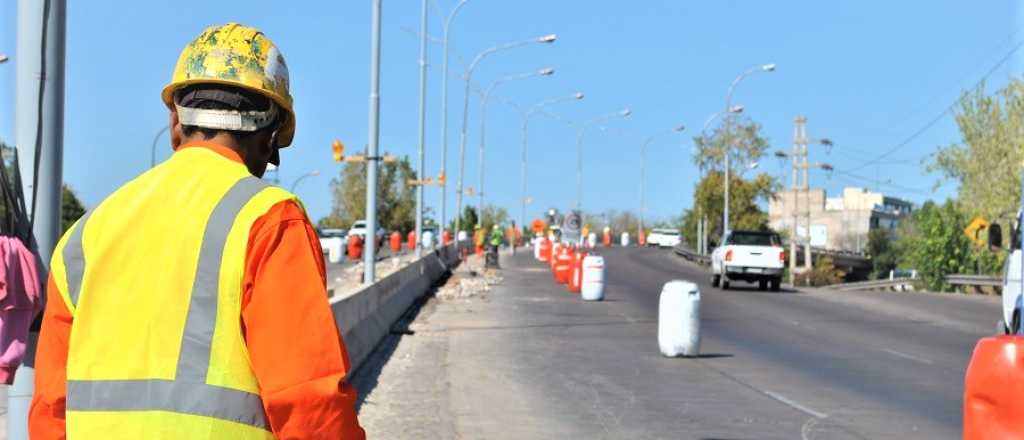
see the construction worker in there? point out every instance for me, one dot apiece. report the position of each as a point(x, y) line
point(494, 241)
point(191, 303)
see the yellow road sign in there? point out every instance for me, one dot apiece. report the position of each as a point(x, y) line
point(973, 230)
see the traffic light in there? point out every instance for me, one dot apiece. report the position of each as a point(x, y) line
point(339, 150)
point(440, 179)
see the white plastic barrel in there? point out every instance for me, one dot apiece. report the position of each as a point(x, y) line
point(679, 319)
point(536, 248)
point(462, 235)
point(592, 240)
point(335, 249)
point(428, 239)
point(624, 239)
point(592, 285)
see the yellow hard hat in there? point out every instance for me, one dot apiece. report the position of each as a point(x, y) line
point(239, 56)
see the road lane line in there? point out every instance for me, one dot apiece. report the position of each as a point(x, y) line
point(907, 356)
point(796, 405)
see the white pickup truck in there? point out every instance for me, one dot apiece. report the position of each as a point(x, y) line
point(750, 256)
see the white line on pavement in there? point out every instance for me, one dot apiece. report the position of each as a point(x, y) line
point(796, 405)
point(907, 356)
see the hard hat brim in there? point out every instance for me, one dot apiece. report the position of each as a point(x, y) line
point(285, 134)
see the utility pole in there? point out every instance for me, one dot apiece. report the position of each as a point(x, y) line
point(369, 256)
point(799, 159)
point(39, 129)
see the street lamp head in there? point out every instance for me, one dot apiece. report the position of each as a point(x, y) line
point(768, 67)
point(781, 154)
point(314, 173)
point(3, 58)
point(738, 108)
point(547, 71)
point(550, 38)
point(826, 142)
point(753, 165)
point(578, 95)
point(826, 167)
point(626, 112)
point(681, 127)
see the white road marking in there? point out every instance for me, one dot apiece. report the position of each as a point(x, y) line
point(796, 405)
point(907, 356)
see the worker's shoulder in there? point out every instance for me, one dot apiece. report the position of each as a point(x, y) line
point(284, 212)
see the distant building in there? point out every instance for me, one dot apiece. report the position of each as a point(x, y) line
point(837, 223)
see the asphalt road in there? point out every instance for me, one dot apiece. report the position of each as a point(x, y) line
point(533, 361)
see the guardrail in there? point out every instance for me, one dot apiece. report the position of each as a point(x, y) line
point(895, 284)
point(985, 284)
point(692, 255)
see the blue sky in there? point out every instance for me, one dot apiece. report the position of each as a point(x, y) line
point(867, 74)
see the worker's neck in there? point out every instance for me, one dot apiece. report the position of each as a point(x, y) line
point(222, 139)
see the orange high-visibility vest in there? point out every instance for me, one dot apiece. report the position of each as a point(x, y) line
point(153, 277)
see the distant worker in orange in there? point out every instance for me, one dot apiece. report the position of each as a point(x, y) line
point(191, 303)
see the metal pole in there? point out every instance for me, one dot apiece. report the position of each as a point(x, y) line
point(423, 129)
point(295, 184)
point(522, 200)
point(462, 156)
point(579, 169)
point(39, 127)
point(643, 158)
point(369, 256)
point(483, 137)
point(794, 159)
point(152, 153)
point(444, 117)
point(808, 261)
point(725, 213)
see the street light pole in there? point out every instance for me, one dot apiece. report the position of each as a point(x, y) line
point(643, 170)
point(468, 77)
point(369, 255)
point(728, 134)
point(702, 221)
point(444, 112)
point(423, 127)
point(484, 99)
point(580, 131)
point(525, 115)
point(152, 152)
point(295, 184)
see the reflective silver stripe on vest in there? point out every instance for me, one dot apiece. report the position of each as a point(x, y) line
point(164, 395)
point(74, 260)
point(188, 393)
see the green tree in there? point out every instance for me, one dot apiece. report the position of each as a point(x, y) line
point(745, 138)
point(883, 253)
point(396, 199)
point(468, 221)
point(72, 208)
point(934, 244)
point(986, 163)
point(744, 209)
point(493, 215)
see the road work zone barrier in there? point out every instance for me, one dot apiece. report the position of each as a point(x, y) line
point(592, 284)
point(679, 319)
point(994, 389)
point(365, 316)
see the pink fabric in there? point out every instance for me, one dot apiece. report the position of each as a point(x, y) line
point(20, 301)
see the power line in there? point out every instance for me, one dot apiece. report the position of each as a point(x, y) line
point(939, 117)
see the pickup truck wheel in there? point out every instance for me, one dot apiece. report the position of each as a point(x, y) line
point(715, 279)
point(762, 285)
point(725, 285)
point(775, 284)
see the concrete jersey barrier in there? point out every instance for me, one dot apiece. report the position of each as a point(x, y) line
point(365, 316)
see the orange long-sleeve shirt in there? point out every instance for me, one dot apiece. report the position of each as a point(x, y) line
point(297, 354)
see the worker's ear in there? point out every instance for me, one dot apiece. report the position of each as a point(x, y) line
point(176, 133)
point(275, 152)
